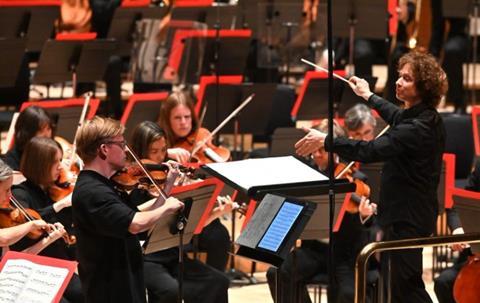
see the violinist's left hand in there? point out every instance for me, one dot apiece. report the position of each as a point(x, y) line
point(313, 141)
point(458, 246)
point(366, 208)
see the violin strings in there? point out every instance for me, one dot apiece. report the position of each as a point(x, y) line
point(134, 156)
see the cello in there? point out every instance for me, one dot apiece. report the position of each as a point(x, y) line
point(467, 285)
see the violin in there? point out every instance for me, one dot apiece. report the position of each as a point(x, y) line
point(62, 186)
point(133, 176)
point(361, 189)
point(467, 284)
point(201, 148)
point(12, 213)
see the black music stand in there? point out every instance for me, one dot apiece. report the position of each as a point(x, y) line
point(468, 208)
point(231, 60)
point(253, 119)
point(315, 100)
point(11, 56)
point(76, 61)
point(350, 99)
point(122, 28)
point(286, 176)
point(283, 141)
point(457, 9)
point(34, 23)
point(178, 229)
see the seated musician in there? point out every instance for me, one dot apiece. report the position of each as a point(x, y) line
point(445, 281)
point(32, 122)
point(106, 221)
point(312, 256)
point(183, 131)
point(41, 164)
point(161, 268)
point(14, 233)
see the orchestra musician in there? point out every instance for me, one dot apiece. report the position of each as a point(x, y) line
point(360, 123)
point(182, 129)
point(202, 283)
point(107, 224)
point(33, 121)
point(11, 235)
point(412, 151)
point(148, 141)
point(40, 164)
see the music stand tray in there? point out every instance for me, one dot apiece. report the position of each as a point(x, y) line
point(278, 175)
point(199, 200)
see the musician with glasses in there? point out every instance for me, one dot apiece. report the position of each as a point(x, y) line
point(108, 249)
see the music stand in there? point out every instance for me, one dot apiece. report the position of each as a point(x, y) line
point(74, 60)
point(34, 22)
point(457, 9)
point(122, 27)
point(68, 113)
point(11, 56)
point(283, 141)
point(141, 107)
point(467, 204)
point(278, 175)
point(350, 99)
point(232, 46)
point(312, 101)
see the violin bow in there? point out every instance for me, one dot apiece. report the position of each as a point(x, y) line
point(341, 173)
point(146, 172)
point(200, 123)
point(87, 98)
point(222, 124)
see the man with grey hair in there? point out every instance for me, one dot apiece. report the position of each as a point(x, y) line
point(11, 235)
point(360, 123)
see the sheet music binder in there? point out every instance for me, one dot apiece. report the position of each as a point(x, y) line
point(268, 175)
point(202, 197)
point(274, 228)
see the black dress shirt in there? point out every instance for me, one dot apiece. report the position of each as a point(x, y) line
point(110, 257)
point(412, 150)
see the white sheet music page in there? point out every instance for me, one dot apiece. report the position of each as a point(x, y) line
point(267, 171)
point(23, 281)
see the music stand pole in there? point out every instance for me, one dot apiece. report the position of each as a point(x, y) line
point(331, 193)
point(475, 48)
point(352, 21)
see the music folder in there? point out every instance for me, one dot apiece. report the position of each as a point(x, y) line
point(199, 200)
point(274, 228)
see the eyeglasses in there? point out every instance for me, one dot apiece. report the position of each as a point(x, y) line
point(122, 144)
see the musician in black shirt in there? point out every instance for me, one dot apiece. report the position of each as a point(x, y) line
point(108, 249)
point(412, 151)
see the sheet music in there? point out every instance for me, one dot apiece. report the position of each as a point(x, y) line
point(267, 171)
point(23, 281)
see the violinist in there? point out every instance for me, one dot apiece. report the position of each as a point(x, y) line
point(161, 267)
point(107, 222)
point(360, 123)
point(11, 235)
point(40, 164)
point(183, 131)
point(412, 151)
point(312, 257)
point(32, 122)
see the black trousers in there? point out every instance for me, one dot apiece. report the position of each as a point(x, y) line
point(215, 241)
point(294, 272)
point(201, 283)
point(404, 267)
point(73, 292)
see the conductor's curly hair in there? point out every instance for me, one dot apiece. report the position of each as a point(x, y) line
point(430, 79)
